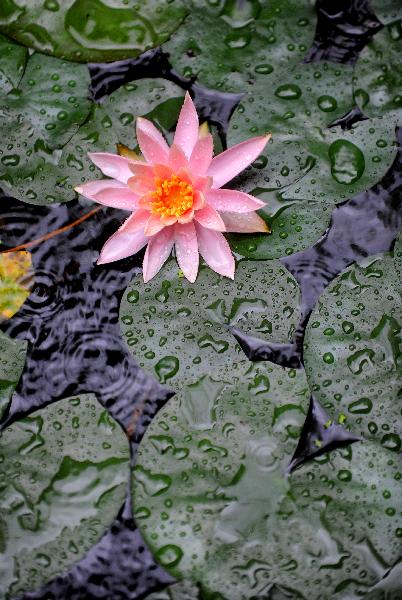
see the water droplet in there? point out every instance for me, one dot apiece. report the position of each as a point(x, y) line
point(288, 91)
point(347, 162)
point(166, 368)
point(327, 103)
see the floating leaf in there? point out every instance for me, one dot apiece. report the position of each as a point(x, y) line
point(37, 118)
point(15, 280)
point(228, 517)
point(347, 162)
point(63, 479)
point(293, 228)
point(353, 351)
point(378, 74)
point(12, 360)
point(50, 175)
point(224, 44)
point(91, 30)
point(177, 330)
point(294, 104)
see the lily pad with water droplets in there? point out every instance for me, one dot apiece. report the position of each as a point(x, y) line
point(226, 43)
point(298, 225)
point(49, 175)
point(64, 475)
point(346, 162)
point(178, 330)
point(294, 104)
point(216, 506)
point(91, 30)
point(12, 360)
point(38, 117)
point(353, 351)
point(378, 74)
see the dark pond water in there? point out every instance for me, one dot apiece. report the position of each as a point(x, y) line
point(71, 317)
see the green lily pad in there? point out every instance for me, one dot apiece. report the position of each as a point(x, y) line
point(63, 478)
point(177, 330)
point(216, 505)
point(12, 361)
point(378, 74)
point(387, 10)
point(346, 162)
point(225, 43)
point(298, 225)
point(294, 104)
point(353, 351)
point(37, 118)
point(91, 30)
point(50, 175)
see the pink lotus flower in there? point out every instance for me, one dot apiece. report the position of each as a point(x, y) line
point(176, 198)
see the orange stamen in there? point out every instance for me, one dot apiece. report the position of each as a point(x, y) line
point(172, 197)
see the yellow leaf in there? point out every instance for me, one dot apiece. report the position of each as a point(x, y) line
point(16, 276)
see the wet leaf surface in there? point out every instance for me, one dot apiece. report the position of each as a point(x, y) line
point(215, 504)
point(12, 360)
point(346, 162)
point(91, 30)
point(64, 476)
point(378, 74)
point(224, 43)
point(38, 117)
point(294, 227)
point(353, 351)
point(179, 331)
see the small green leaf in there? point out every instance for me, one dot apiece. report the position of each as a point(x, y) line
point(63, 479)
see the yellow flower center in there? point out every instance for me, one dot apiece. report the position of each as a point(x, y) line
point(172, 197)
